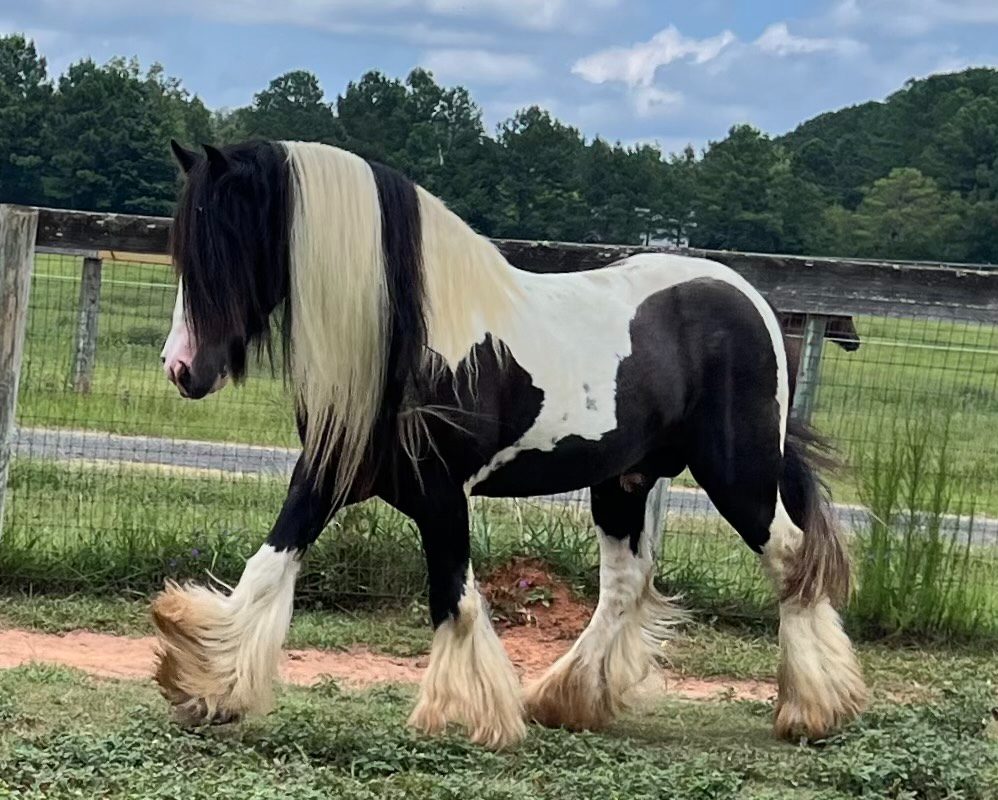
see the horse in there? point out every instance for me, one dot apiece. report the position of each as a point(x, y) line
point(425, 369)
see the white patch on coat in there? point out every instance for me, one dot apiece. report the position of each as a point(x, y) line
point(570, 333)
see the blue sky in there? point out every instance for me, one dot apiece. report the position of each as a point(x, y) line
point(633, 70)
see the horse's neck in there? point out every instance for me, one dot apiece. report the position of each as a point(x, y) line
point(470, 288)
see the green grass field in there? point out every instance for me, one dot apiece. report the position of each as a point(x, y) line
point(905, 373)
point(67, 735)
point(129, 393)
point(73, 528)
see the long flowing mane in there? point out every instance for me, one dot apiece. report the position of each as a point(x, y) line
point(386, 285)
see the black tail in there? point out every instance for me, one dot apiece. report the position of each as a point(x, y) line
point(821, 566)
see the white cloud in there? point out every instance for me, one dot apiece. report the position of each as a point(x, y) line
point(778, 40)
point(482, 66)
point(636, 65)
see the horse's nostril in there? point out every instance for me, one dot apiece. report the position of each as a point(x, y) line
point(182, 376)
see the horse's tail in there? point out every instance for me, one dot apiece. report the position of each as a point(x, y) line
point(822, 563)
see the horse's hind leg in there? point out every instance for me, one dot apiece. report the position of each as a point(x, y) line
point(820, 681)
point(773, 501)
point(587, 687)
point(219, 653)
point(469, 680)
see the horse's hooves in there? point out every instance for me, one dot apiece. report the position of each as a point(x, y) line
point(194, 714)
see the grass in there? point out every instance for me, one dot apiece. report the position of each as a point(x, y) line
point(75, 529)
point(65, 735)
point(903, 369)
point(916, 577)
point(71, 529)
point(129, 394)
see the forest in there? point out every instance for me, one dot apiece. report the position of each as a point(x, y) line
point(914, 176)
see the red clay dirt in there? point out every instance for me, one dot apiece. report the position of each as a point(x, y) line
point(537, 616)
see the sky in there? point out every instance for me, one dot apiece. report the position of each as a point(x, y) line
point(674, 73)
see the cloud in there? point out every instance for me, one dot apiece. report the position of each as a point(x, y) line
point(482, 66)
point(913, 17)
point(779, 41)
point(637, 65)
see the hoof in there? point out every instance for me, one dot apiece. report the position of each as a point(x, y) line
point(193, 713)
point(794, 720)
point(496, 732)
point(569, 697)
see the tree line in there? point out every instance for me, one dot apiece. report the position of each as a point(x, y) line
point(912, 177)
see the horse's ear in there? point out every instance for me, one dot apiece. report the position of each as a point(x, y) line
point(217, 162)
point(185, 158)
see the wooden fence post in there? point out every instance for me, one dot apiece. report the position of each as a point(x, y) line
point(18, 227)
point(87, 316)
point(810, 366)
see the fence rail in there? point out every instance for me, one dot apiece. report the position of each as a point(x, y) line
point(104, 448)
point(828, 286)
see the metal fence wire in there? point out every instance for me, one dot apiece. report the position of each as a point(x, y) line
point(119, 483)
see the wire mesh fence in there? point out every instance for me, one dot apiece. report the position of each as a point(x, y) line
point(117, 483)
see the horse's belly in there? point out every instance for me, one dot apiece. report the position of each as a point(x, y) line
point(574, 463)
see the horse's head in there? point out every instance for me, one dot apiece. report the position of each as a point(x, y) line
point(230, 249)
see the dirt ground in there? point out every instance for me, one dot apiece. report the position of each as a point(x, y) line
point(536, 615)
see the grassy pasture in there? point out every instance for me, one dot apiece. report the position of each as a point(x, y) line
point(109, 528)
point(124, 530)
point(904, 371)
point(65, 735)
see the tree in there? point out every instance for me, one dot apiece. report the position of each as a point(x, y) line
point(978, 236)
point(111, 129)
point(913, 176)
point(678, 196)
point(291, 107)
point(738, 206)
point(446, 149)
point(907, 216)
point(374, 115)
point(540, 184)
point(964, 153)
point(25, 109)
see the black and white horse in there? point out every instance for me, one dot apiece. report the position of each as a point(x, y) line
point(426, 369)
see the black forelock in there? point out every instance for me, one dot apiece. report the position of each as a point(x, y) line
point(230, 243)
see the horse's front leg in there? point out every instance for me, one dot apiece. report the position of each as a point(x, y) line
point(470, 680)
point(219, 653)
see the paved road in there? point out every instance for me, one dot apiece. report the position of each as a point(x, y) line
point(67, 445)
